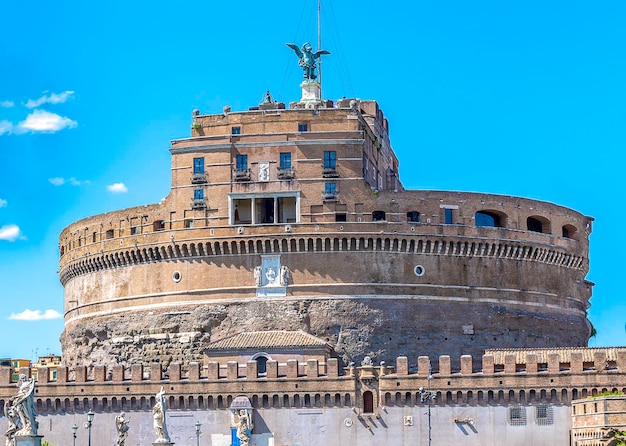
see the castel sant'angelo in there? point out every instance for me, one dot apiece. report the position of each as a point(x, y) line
point(296, 219)
point(289, 273)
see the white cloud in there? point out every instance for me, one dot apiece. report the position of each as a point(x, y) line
point(5, 127)
point(7, 104)
point(35, 315)
point(52, 98)
point(10, 233)
point(117, 188)
point(57, 181)
point(60, 181)
point(74, 182)
point(3, 203)
point(45, 121)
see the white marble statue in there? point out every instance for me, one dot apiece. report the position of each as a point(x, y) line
point(284, 276)
point(24, 407)
point(121, 424)
point(158, 414)
point(244, 427)
point(257, 275)
point(13, 422)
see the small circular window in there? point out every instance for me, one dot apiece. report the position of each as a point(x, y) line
point(419, 270)
point(176, 276)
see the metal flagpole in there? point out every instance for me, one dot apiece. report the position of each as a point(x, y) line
point(319, 41)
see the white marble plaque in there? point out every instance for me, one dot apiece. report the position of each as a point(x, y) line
point(271, 278)
point(264, 171)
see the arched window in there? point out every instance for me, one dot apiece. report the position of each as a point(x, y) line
point(413, 217)
point(261, 360)
point(538, 224)
point(368, 402)
point(379, 216)
point(489, 219)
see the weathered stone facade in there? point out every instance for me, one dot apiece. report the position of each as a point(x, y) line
point(372, 268)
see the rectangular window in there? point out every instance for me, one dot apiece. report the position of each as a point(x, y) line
point(448, 217)
point(198, 165)
point(285, 160)
point(134, 230)
point(544, 414)
point(198, 194)
point(188, 223)
point(235, 130)
point(542, 411)
point(303, 127)
point(517, 416)
point(330, 160)
point(413, 217)
point(340, 217)
point(330, 188)
point(242, 162)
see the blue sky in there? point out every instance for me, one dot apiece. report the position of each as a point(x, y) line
point(517, 98)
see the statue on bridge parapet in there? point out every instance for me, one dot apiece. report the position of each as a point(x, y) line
point(158, 414)
point(13, 422)
point(24, 405)
point(244, 427)
point(20, 412)
point(121, 424)
point(241, 423)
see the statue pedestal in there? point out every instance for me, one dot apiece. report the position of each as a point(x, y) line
point(311, 92)
point(28, 440)
point(163, 443)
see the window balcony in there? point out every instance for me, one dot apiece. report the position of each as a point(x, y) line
point(198, 203)
point(330, 172)
point(286, 174)
point(241, 175)
point(329, 196)
point(198, 178)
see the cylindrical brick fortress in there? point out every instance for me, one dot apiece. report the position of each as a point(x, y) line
point(374, 270)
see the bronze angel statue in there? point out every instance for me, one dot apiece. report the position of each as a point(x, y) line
point(307, 58)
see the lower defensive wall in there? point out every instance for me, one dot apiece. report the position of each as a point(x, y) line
point(517, 397)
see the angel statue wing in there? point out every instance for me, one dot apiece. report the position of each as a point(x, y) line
point(319, 53)
point(295, 48)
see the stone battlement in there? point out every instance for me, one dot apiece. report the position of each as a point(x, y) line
point(563, 361)
point(326, 383)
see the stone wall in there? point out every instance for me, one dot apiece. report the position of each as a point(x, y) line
point(314, 403)
point(311, 427)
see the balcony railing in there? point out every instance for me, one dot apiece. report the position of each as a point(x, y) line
point(330, 172)
point(329, 196)
point(198, 203)
point(241, 175)
point(286, 174)
point(198, 178)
